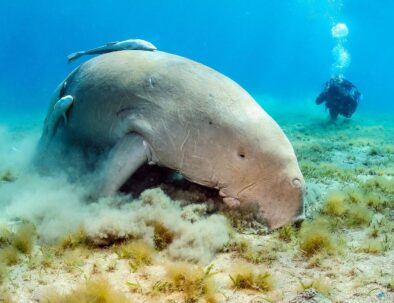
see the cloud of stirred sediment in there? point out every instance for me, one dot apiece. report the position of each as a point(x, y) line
point(58, 207)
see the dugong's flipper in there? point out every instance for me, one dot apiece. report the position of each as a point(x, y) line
point(123, 160)
point(59, 110)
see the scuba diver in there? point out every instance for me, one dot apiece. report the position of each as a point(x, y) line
point(341, 97)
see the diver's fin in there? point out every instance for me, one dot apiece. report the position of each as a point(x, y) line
point(75, 56)
point(123, 160)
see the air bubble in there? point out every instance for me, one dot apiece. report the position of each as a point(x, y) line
point(339, 31)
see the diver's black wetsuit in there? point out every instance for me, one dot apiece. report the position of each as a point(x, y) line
point(341, 97)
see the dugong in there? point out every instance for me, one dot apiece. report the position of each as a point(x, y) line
point(154, 107)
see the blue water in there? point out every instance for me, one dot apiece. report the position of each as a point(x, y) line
point(280, 49)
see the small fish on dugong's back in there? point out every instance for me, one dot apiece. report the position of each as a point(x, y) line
point(131, 44)
point(158, 108)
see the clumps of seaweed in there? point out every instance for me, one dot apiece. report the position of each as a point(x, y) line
point(5, 236)
point(24, 237)
point(178, 230)
point(335, 205)
point(244, 249)
point(163, 236)
point(316, 236)
point(192, 280)
point(244, 221)
point(97, 290)
point(364, 206)
point(73, 260)
point(7, 176)
point(15, 244)
point(390, 284)
point(137, 252)
point(73, 240)
point(182, 232)
point(287, 233)
point(185, 232)
point(5, 297)
point(380, 184)
point(358, 216)
point(348, 208)
point(341, 152)
point(9, 256)
point(44, 258)
point(19, 246)
point(3, 273)
point(355, 207)
point(380, 237)
point(373, 246)
point(248, 276)
point(326, 170)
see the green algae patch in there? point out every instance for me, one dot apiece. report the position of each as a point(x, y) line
point(192, 280)
point(335, 204)
point(9, 256)
point(24, 238)
point(287, 233)
point(7, 176)
point(248, 276)
point(316, 237)
point(137, 252)
point(15, 244)
point(355, 207)
point(96, 290)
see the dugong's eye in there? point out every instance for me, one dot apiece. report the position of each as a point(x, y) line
point(242, 155)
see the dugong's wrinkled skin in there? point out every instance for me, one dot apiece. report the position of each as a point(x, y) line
point(170, 111)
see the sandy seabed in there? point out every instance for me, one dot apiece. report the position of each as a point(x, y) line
point(163, 248)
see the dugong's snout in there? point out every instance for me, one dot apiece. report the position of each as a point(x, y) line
point(287, 204)
point(280, 201)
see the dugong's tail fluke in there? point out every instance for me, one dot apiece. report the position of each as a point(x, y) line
point(74, 56)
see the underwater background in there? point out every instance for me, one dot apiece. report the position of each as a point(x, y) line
point(279, 49)
point(179, 243)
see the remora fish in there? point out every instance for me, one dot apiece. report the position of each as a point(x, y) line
point(131, 44)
